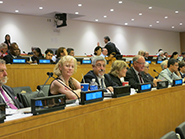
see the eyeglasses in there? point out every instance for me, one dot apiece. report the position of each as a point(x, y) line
point(140, 63)
point(100, 65)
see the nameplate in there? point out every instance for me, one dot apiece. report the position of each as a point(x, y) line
point(177, 82)
point(120, 91)
point(144, 87)
point(162, 84)
point(2, 112)
point(47, 104)
point(19, 61)
point(159, 62)
point(86, 62)
point(91, 96)
point(44, 61)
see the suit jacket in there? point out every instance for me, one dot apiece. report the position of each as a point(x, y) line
point(133, 78)
point(90, 75)
point(11, 94)
point(9, 58)
point(112, 48)
point(182, 76)
point(147, 77)
point(116, 80)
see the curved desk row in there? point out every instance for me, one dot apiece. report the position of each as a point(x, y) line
point(147, 115)
point(33, 75)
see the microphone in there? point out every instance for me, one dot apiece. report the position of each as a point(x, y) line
point(51, 74)
point(161, 75)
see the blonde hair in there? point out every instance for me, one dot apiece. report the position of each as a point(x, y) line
point(117, 66)
point(61, 62)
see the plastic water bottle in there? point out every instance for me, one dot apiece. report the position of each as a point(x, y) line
point(93, 85)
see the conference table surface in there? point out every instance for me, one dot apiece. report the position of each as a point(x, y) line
point(147, 115)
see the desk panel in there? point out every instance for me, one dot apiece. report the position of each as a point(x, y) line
point(147, 115)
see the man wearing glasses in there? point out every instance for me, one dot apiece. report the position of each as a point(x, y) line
point(134, 75)
point(98, 73)
point(169, 73)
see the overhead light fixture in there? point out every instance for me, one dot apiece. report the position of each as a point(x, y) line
point(140, 13)
point(180, 24)
point(126, 24)
point(132, 19)
point(157, 22)
point(111, 10)
point(176, 12)
point(150, 25)
point(1, 2)
point(120, 2)
point(76, 12)
point(173, 27)
point(40, 8)
point(149, 8)
point(16, 11)
point(166, 17)
point(96, 20)
point(79, 5)
point(105, 16)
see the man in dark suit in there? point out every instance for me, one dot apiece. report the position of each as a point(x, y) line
point(14, 53)
point(111, 47)
point(7, 95)
point(182, 69)
point(134, 75)
point(98, 73)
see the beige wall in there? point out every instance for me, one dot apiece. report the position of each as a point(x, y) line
point(30, 31)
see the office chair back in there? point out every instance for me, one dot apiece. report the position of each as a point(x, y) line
point(17, 90)
point(181, 130)
point(170, 135)
point(45, 89)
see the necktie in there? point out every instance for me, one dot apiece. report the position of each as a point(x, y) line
point(102, 84)
point(7, 100)
point(140, 78)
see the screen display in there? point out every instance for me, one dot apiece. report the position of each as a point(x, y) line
point(148, 62)
point(159, 62)
point(19, 60)
point(86, 61)
point(177, 82)
point(44, 61)
point(94, 95)
point(146, 87)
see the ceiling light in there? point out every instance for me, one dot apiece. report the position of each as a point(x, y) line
point(120, 2)
point(150, 25)
point(40, 8)
point(140, 13)
point(16, 11)
point(166, 17)
point(105, 16)
point(126, 24)
point(157, 22)
point(79, 5)
point(132, 19)
point(180, 24)
point(176, 12)
point(96, 20)
point(173, 27)
point(150, 8)
point(1, 1)
point(76, 13)
point(111, 10)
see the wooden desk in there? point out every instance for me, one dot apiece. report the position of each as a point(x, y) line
point(147, 115)
point(33, 75)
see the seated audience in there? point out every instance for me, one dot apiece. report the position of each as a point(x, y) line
point(146, 76)
point(182, 58)
point(133, 74)
point(104, 52)
point(98, 73)
point(166, 55)
point(36, 55)
point(64, 69)
point(97, 52)
point(60, 53)
point(48, 54)
point(159, 51)
point(7, 95)
point(111, 58)
point(7, 40)
point(118, 70)
point(161, 56)
point(182, 69)
point(174, 55)
point(164, 64)
point(70, 51)
point(14, 52)
point(146, 55)
point(141, 52)
point(54, 56)
point(169, 73)
point(3, 50)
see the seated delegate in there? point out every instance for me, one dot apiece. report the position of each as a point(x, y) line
point(64, 69)
point(118, 70)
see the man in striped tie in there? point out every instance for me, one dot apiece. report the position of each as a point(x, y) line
point(7, 95)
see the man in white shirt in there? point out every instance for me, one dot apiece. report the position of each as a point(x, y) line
point(104, 52)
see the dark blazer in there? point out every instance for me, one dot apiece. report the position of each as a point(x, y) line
point(112, 48)
point(116, 80)
point(133, 79)
point(11, 94)
point(147, 77)
point(9, 58)
point(182, 76)
point(90, 75)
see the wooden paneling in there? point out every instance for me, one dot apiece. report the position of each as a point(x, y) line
point(147, 115)
point(182, 41)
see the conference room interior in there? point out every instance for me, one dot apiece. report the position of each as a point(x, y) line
point(159, 111)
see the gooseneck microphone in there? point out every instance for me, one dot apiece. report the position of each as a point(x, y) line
point(51, 74)
point(161, 75)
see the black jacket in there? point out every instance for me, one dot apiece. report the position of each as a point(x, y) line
point(116, 80)
point(9, 58)
point(90, 75)
point(112, 48)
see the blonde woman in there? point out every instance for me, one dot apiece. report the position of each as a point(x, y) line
point(64, 69)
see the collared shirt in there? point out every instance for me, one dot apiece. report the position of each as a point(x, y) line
point(167, 75)
point(138, 75)
point(99, 80)
point(11, 101)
